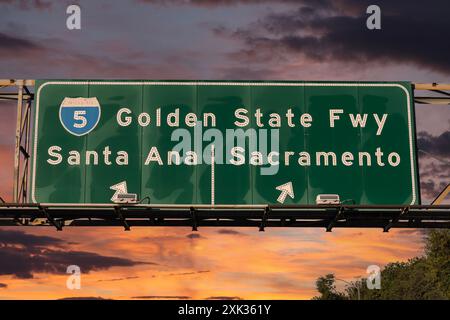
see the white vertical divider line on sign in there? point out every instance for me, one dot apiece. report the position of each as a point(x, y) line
point(212, 174)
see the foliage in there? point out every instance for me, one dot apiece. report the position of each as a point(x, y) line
point(327, 289)
point(420, 278)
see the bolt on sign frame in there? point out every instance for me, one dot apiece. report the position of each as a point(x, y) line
point(20, 213)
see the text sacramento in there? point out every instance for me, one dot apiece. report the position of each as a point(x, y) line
point(234, 156)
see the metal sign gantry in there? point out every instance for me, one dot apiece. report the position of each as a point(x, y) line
point(327, 217)
point(20, 213)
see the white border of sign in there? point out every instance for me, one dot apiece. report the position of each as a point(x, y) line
point(200, 83)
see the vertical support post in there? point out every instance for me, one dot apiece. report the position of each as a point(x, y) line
point(25, 149)
point(18, 141)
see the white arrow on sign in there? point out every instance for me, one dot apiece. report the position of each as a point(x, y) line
point(120, 188)
point(286, 190)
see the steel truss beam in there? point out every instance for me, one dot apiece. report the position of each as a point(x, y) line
point(261, 217)
point(17, 90)
point(441, 93)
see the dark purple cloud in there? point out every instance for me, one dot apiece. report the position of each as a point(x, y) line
point(434, 173)
point(437, 145)
point(214, 3)
point(3, 286)
point(20, 51)
point(23, 254)
point(9, 237)
point(335, 31)
point(29, 4)
point(194, 236)
point(12, 43)
point(433, 163)
point(229, 231)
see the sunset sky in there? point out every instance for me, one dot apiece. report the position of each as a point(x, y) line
point(226, 40)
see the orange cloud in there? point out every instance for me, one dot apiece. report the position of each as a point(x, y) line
point(247, 264)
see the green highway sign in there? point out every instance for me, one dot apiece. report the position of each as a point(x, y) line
point(223, 142)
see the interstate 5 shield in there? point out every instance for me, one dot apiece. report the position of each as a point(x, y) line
point(79, 116)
